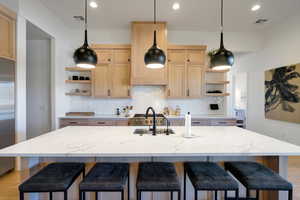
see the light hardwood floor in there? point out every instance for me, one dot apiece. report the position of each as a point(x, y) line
point(9, 182)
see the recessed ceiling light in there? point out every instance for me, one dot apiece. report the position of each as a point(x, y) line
point(93, 4)
point(255, 7)
point(176, 6)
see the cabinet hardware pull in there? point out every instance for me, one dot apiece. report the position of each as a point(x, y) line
point(188, 92)
point(73, 122)
point(128, 92)
point(109, 60)
point(169, 92)
point(108, 92)
point(100, 122)
point(188, 60)
point(129, 59)
point(169, 60)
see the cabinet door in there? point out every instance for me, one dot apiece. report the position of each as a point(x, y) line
point(194, 81)
point(177, 74)
point(100, 84)
point(104, 56)
point(196, 57)
point(120, 80)
point(142, 40)
point(119, 73)
point(7, 37)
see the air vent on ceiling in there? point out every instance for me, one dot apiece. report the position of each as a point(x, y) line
point(78, 18)
point(261, 21)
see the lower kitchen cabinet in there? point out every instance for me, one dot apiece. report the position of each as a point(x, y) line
point(205, 122)
point(92, 122)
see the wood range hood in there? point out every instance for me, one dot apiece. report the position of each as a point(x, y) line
point(142, 40)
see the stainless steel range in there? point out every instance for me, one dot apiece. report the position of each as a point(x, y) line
point(140, 120)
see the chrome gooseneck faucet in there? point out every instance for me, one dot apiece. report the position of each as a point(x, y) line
point(154, 119)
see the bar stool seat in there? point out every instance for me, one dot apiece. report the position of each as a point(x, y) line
point(106, 177)
point(56, 177)
point(255, 176)
point(209, 176)
point(157, 177)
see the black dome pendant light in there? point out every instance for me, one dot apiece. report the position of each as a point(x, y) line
point(222, 59)
point(85, 57)
point(155, 58)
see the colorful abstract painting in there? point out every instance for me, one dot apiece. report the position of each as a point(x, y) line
point(282, 93)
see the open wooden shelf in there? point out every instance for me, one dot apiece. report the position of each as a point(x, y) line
point(217, 71)
point(78, 94)
point(217, 82)
point(217, 94)
point(79, 81)
point(77, 69)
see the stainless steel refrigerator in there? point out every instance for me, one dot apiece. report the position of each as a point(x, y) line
point(7, 111)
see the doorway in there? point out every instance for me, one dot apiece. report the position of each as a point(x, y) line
point(38, 82)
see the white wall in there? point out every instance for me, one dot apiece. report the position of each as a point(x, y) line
point(282, 47)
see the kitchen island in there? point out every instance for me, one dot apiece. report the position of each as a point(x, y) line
point(210, 143)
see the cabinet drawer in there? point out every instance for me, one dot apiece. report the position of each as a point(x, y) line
point(223, 123)
point(121, 123)
point(73, 122)
point(176, 122)
point(198, 122)
point(102, 123)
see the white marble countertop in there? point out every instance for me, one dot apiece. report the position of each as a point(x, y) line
point(121, 142)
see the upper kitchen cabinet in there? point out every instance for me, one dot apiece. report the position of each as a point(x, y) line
point(7, 33)
point(111, 77)
point(142, 40)
point(186, 65)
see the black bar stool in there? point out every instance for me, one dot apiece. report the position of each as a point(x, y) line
point(255, 176)
point(209, 176)
point(157, 177)
point(56, 177)
point(106, 177)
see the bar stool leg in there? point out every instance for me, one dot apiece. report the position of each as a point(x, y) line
point(216, 195)
point(80, 195)
point(225, 194)
point(83, 195)
point(196, 195)
point(171, 194)
point(179, 195)
point(237, 194)
point(65, 195)
point(247, 194)
point(50, 196)
point(128, 192)
point(96, 195)
point(21, 195)
point(257, 194)
point(122, 195)
point(290, 194)
point(138, 195)
point(184, 185)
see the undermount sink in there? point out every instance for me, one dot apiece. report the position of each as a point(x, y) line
point(149, 132)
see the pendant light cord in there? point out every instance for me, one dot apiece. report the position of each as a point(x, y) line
point(154, 11)
point(222, 24)
point(154, 41)
point(85, 25)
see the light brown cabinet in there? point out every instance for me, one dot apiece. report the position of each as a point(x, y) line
point(64, 122)
point(142, 40)
point(111, 77)
point(7, 34)
point(186, 66)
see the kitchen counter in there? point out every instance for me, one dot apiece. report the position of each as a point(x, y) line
point(169, 117)
point(121, 142)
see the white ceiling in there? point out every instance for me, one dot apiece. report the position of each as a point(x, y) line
point(194, 14)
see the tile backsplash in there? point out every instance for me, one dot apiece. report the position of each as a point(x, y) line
point(142, 98)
